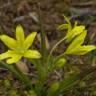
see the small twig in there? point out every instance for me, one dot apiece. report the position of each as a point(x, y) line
point(58, 74)
point(87, 4)
point(32, 15)
point(4, 69)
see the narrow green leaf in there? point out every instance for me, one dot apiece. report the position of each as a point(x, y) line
point(72, 80)
point(25, 80)
point(42, 34)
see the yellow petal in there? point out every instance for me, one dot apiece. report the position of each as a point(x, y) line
point(20, 34)
point(75, 23)
point(32, 54)
point(9, 42)
point(29, 40)
point(74, 32)
point(67, 19)
point(6, 55)
point(78, 29)
point(76, 42)
point(63, 26)
point(83, 50)
point(14, 58)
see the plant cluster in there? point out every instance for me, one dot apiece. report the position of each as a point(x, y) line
point(44, 60)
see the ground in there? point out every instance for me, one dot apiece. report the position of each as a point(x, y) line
point(25, 12)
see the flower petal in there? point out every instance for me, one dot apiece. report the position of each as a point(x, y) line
point(29, 40)
point(74, 32)
point(63, 26)
point(8, 41)
point(11, 55)
point(69, 23)
point(83, 50)
point(67, 19)
point(20, 34)
point(32, 54)
point(78, 29)
point(6, 55)
point(14, 58)
point(76, 43)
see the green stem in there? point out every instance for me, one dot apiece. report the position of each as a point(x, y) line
point(43, 43)
point(54, 47)
point(41, 76)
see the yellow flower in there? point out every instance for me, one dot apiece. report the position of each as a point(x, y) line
point(72, 31)
point(20, 47)
point(76, 47)
point(77, 30)
point(67, 25)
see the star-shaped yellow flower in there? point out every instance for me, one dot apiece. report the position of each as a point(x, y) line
point(72, 31)
point(20, 47)
point(76, 47)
